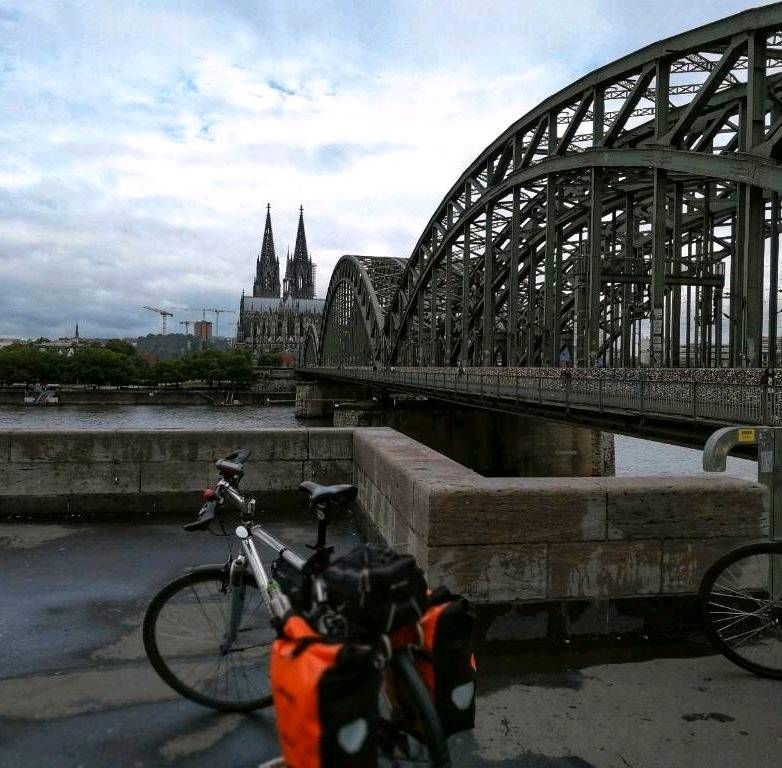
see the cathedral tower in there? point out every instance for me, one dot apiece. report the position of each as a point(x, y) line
point(267, 268)
point(300, 271)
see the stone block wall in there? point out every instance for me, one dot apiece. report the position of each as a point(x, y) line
point(149, 472)
point(316, 399)
point(509, 539)
point(497, 540)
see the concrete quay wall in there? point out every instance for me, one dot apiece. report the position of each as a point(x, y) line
point(500, 540)
point(157, 472)
point(496, 540)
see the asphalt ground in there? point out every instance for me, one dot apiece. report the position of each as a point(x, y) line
point(76, 689)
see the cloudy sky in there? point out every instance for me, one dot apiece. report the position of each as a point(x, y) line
point(141, 141)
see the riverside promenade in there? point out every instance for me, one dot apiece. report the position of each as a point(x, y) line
point(588, 644)
point(76, 689)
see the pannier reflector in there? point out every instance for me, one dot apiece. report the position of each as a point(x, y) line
point(351, 736)
point(462, 695)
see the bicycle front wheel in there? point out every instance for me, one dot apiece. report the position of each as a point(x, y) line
point(741, 601)
point(184, 636)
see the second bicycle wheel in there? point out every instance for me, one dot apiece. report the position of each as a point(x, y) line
point(184, 628)
point(410, 732)
point(741, 600)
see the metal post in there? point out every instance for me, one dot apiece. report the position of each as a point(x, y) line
point(513, 282)
point(465, 329)
point(659, 236)
point(549, 354)
point(769, 442)
point(595, 263)
point(557, 341)
point(433, 318)
point(627, 292)
point(488, 291)
point(773, 292)
point(676, 299)
point(448, 295)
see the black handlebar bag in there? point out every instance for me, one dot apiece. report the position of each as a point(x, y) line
point(377, 589)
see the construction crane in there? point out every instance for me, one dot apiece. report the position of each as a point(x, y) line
point(219, 312)
point(163, 315)
point(187, 324)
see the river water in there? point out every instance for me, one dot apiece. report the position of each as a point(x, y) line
point(633, 456)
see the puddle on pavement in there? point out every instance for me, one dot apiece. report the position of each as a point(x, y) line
point(21, 536)
point(548, 664)
point(64, 694)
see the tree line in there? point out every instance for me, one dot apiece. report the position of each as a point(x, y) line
point(117, 362)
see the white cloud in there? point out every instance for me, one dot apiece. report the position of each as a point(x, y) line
point(142, 141)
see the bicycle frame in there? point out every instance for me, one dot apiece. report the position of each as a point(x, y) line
point(251, 558)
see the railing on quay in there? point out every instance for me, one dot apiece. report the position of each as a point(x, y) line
point(721, 396)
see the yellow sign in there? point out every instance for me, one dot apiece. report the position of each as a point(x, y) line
point(747, 435)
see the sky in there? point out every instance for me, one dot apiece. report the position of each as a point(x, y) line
point(141, 141)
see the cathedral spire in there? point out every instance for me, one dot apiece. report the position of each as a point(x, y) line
point(299, 272)
point(300, 249)
point(267, 268)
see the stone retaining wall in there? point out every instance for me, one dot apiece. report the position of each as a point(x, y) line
point(497, 540)
point(508, 539)
point(147, 472)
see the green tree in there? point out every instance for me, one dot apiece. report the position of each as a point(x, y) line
point(167, 372)
point(122, 347)
point(204, 365)
point(94, 365)
point(237, 367)
point(270, 359)
point(26, 363)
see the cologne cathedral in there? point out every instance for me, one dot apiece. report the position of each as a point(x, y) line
point(277, 321)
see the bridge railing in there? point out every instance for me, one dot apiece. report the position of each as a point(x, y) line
point(714, 395)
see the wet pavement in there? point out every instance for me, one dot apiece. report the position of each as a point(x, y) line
point(76, 689)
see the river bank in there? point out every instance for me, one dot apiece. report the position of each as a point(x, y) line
point(633, 456)
point(276, 391)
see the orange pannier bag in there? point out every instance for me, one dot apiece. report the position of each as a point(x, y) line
point(445, 659)
point(325, 699)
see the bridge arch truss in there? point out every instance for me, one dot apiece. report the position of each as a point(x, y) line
point(359, 292)
point(631, 218)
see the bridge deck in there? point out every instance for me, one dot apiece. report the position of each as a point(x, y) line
point(683, 406)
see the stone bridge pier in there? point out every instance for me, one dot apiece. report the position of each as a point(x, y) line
point(316, 399)
point(492, 444)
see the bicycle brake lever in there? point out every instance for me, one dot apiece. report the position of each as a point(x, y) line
point(205, 516)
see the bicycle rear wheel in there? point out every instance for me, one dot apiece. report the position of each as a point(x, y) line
point(741, 601)
point(184, 627)
point(410, 732)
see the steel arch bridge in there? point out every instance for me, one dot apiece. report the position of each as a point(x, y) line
point(630, 219)
point(360, 290)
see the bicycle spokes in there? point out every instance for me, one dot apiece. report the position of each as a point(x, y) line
point(744, 608)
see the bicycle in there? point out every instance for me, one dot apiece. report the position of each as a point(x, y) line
point(741, 603)
point(209, 632)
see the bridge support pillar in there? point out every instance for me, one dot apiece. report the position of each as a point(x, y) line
point(492, 444)
point(503, 445)
point(317, 399)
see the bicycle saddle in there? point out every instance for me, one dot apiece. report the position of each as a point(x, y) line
point(337, 494)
